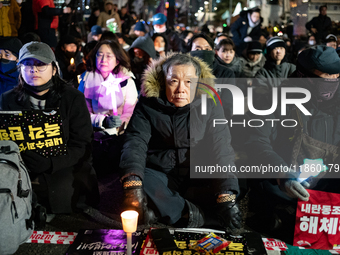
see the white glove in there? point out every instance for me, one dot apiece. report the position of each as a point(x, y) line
point(248, 39)
point(294, 189)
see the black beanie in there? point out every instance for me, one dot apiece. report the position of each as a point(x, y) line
point(13, 44)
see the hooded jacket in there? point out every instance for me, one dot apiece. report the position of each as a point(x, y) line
point(235, 65)
point(104, 16)
point(94, 97)
point(158, 136)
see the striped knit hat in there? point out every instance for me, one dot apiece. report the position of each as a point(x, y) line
point(274, 42)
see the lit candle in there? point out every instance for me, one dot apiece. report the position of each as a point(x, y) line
point(79, 79)
point(129, 220)
point(72, 61)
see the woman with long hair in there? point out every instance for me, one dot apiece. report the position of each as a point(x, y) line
point(111, 96)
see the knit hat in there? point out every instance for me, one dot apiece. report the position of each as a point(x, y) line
point(139, 27)
point(158, 19)
point(37, 50)
point(331, 38)
point(96, 30)
point(319, 57)
point(254, 47)
point(274, 42)
point(12, 44)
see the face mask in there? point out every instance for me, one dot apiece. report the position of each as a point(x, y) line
point(9, 67)
point(207, 56)
point(36, 89)
point(159, 49)
point(19, 1)
point(160, 30)
point(110, 12)
point(69, 54)
point(325, 88)
point(311, 42)
point(138, 60)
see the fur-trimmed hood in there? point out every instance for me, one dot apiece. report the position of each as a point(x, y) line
point(153, 80)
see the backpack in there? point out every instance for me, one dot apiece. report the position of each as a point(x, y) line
point(15, 199)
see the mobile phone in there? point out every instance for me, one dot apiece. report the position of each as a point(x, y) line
point(163, 240)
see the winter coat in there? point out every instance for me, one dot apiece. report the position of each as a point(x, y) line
point(93, 94)
point(235, 65)
point(271, 145)
point(271, 75)
point(71, 174)
point(239, 29)
point(7, 82)
point(323, 25)
point(174, 42)
point(249, 68)
point(10, 20)
point(158, 136)
point(104, 16)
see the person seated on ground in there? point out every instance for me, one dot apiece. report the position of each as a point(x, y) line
point(161, 44)
point(66, 182)
point(185, 36)
point(274, 200)
point(96, 33)
point(276, 69)
point(220, 37)
point(331, 41)
point(9, 51)
point(141, 52)
point(108, 35)
point(253, 61)
point(66, 50)
point(311, 40)
point(122, 41)
point(108, 87)
point(111, 96)
point(201, 46)
point(139, 29)
point(155, 158)
point(226, 56)
point(159, 27)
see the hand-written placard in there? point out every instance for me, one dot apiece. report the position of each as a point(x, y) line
point(36, 130)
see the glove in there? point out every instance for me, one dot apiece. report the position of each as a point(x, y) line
point(134, 198)
point(248, 39)
point(112, 121)
point(36, 163)
point(229, 215)
point(294, 189)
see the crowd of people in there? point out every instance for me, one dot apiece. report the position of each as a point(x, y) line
point(129, 101)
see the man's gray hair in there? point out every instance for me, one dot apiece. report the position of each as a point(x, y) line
point(181, 59)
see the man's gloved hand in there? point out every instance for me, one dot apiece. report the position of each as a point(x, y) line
point(112, 121)
point(134, 197)
point(294, 189)
point(229, 215)
point(35, 162)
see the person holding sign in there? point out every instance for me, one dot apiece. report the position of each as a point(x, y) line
point(67, 182)
point(110, 95)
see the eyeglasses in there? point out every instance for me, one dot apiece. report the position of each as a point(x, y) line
point(41, 67)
